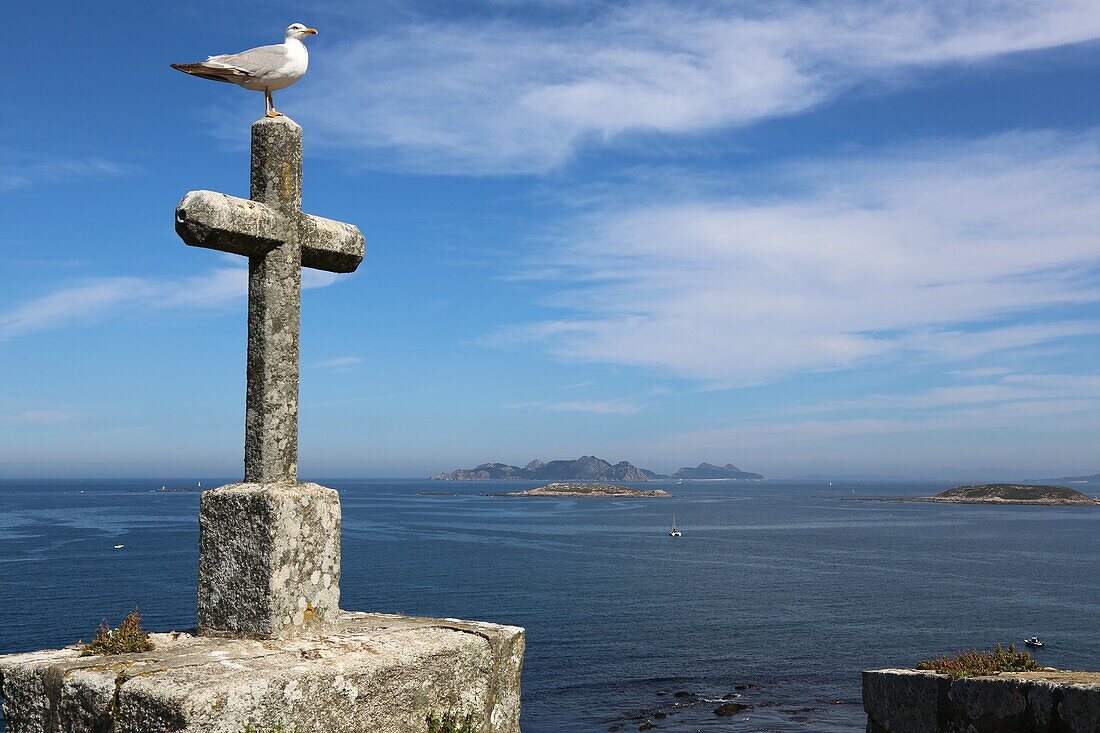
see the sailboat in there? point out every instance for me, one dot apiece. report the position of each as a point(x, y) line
point(674, 532)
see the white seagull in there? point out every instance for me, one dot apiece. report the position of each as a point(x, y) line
point(264, 69)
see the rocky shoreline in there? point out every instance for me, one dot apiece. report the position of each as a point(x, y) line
point(590, 491)
point(1032, 494)
point(686, 709)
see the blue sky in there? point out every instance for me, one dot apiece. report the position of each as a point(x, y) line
point(808, 237)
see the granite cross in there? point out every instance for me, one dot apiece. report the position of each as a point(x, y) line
point(279, 240)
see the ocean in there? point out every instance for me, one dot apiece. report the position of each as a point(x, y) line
point(778, 592)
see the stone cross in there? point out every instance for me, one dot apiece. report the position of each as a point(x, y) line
point(269, 548)
point(279, 240)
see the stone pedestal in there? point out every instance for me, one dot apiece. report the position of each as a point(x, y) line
point(371, 673)
point(269, 560)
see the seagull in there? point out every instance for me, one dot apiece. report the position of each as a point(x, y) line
point(264, 69)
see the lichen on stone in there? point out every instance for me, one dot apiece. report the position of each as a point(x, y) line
point(450, 722)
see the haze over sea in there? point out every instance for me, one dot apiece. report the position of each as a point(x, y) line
point(784, 585)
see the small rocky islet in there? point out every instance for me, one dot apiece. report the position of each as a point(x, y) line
point(1028, 494)
point(1012, 494)
point(593, 491)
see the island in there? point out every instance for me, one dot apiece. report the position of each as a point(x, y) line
point(710, 472)
point(1091, 479)
point(1012, 494)
point(593, 491)
point(590, 468)
point(585, 468)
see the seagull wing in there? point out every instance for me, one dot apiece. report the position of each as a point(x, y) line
point(234, 67)
point(259, 62)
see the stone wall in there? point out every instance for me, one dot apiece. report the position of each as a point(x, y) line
point(373, 673)
point(908, 701)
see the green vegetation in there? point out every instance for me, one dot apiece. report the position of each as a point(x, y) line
point(450, 723)
point(128, 637)
point(972, 663)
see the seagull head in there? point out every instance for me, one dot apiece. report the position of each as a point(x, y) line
point(299, 31)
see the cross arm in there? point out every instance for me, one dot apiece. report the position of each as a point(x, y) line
point(244, 227)
point(229, 224)
point(330, 245)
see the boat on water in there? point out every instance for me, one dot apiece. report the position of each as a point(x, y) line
point(674, 532)
point(1034, 642)
point(119, 547)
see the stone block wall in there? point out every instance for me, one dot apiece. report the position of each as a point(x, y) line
point(908, 701)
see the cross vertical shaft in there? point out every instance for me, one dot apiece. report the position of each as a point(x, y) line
point(274, 306)
point(269, 548)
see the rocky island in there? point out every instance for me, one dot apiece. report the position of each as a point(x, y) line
point(590, 468)
point(585, 468)
point(592, 491)
point(1012, 494)
point(710, 472)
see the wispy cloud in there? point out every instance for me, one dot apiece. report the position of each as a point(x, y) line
point(1018, 389)
point(942, 252)
point(912, 439)
point(96, 299)
point(30, 173)
point(522, 97)
point(599, 407)
point(339, 363)
point(41, 417)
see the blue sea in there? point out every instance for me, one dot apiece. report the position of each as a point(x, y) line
point(778, 592)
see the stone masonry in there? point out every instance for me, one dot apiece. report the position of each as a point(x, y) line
point(269, 560)
point(1051, 701)
point(371, 673)
point(273, 651)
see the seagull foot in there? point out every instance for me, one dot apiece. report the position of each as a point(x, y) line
point(273, 113)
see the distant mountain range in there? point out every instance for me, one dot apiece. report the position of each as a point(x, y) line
point(1093, 479)
point(710, 471)
point(588, 468)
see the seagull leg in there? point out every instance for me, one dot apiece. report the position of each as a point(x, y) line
point(270, 102)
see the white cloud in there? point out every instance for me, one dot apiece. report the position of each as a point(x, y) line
point(980, 372)
point(41, 417)
point(76, 304)
point(502, 96)
point(945, 252)
point(29, 173)
point(1019, 389)
point(93, 300)
point(340, 363)
point(599, 407)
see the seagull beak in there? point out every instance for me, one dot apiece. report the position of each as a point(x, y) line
point(311, 31)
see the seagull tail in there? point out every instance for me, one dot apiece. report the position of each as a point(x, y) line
point(207, 71)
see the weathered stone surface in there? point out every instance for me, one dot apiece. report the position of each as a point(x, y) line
point(1080, 707)
point(373, 672)
point(903, 701)
point(1040, 698)
point(239, 226)
point(271, 230)
point(229, 224)
point(269, 559)
point(1048, 701)
point(982, 697)
point(330, 245)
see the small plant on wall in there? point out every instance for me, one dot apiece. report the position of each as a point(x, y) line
point(127, 638)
